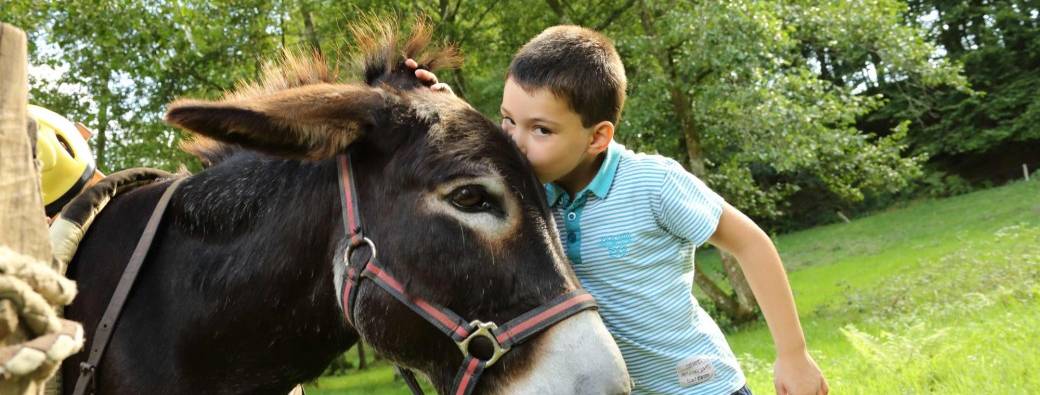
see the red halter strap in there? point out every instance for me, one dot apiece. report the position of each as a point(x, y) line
point(502, 338)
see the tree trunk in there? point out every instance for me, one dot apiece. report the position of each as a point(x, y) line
point(878, 68)
point(102, 139)
point(281, 22)
point(308, 24)
point(460, 84)
point(679, 100)
point(362, 364)
point(104, 107)
point(741, 288)
point(739, 307)
point(558, 9)
point(724, 302)
point(603, 25)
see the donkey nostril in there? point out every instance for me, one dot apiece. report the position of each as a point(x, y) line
point(481, 348)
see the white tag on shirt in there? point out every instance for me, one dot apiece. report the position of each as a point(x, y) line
point(695, 370)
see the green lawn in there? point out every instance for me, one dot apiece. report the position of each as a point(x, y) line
point(938, 296)
point(377, 380)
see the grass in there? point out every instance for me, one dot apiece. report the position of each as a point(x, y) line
point(940, 296)
point(377, 379)
point(937, 296)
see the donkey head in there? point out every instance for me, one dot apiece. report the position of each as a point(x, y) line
point(451, 204)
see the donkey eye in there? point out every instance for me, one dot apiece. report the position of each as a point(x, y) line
point(470, 198)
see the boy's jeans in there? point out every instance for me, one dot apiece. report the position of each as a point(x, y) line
point(743, 391)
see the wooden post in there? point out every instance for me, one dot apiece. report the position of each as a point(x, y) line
point(22, 225)
point(21, 206)
point(1025, 171)
point(842, 216)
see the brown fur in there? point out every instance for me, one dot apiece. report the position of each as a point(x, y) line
point(292, 70)
point(379, 49)
point(316, 115)
point(207, 150)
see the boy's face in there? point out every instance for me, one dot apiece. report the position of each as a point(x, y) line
point(545, 128)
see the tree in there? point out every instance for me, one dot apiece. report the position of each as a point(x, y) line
point(123, 63)
point(759, 98)
point(983, 135)
point(730, 89)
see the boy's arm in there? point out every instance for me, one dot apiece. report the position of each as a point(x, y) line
point(795, 372)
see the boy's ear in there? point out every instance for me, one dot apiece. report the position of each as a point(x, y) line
point(84, 131)
point(602, 135)
point(308, 122)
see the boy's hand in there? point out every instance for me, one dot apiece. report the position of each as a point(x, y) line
point(427, 77)
point(798, 375)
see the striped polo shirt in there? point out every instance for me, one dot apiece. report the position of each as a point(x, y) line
point(630, 236)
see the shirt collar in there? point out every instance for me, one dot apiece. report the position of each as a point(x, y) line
point(600, 185)
point(553, 194)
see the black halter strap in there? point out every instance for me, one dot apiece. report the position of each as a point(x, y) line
point(502, 338)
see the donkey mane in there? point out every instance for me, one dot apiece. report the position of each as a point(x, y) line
point(380, 55)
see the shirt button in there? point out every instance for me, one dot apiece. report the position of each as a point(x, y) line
point(571, 238)
point(571, 216)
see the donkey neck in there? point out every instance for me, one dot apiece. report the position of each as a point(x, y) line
point(248, 192)
point(264, 233)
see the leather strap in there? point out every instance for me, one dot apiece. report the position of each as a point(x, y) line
point(460, 331)
point(103, 332)
point(518, 329)
point(409, 378)
point(348, 198)
point(466, 378)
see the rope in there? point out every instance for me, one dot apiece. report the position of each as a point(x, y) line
point(30, 292)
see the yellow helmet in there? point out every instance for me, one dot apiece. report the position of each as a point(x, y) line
point(66, 161)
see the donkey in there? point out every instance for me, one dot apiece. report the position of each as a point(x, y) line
point(241, 290)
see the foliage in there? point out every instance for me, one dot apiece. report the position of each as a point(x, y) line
point(771, 90)
point(758, 98)
point(981, 136)
point(773, 108)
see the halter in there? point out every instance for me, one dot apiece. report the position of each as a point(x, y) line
point(462, 333)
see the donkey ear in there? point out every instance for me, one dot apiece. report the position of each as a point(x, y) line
point(309, 122)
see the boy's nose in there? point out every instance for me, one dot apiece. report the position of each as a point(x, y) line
point(519, 140)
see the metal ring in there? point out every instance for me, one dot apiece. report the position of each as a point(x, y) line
point(351, 247)
point(485, 330)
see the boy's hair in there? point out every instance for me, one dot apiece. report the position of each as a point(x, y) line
point(578, 65)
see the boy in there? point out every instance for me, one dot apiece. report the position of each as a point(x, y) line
point(630, 224)
point(66, 164)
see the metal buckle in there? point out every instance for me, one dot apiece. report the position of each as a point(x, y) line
point(352, 247)
point(86, 368)
point(484, 329)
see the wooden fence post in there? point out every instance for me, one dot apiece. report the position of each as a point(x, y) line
point(22, 225)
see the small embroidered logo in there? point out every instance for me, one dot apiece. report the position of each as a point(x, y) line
point(616, 245)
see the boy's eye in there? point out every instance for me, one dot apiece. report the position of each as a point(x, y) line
point(507, 121)
point(541, 130)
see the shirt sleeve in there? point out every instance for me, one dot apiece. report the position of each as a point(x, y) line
point(686, 207)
